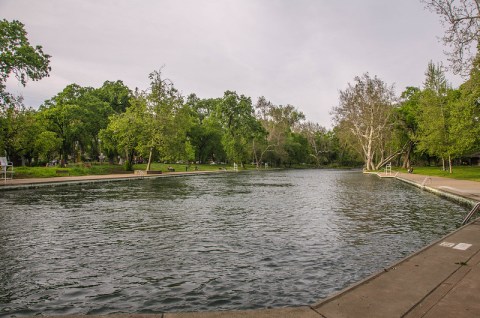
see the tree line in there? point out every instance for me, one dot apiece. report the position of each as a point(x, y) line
point(113, 122)
point(431, 124)
point(435, 123)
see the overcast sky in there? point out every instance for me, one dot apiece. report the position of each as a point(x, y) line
point(298, 52)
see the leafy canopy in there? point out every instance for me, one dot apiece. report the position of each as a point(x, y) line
point(18, 57)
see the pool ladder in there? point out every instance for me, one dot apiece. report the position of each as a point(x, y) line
point(476, 208)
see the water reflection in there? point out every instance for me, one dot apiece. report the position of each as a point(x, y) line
point(230, 241)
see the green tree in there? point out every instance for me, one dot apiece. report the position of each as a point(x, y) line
point(406, 122)
point(465, 114)
point(47, 144)
point(434, 135)
point(206, 131)
point(237, 117)
point(25, 62)
point(296, 147)
point(125, 131)
point(25, 138)
point(168, 120)
point(18, 57)
point(76, 115)
point(279, 123)
point(116, 94)
point(343, 150)
point(16, 127)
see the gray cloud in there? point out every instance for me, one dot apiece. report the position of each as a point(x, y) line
point(292, 52)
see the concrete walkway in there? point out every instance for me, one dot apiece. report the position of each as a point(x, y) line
point(469, 190)
point(441, 280)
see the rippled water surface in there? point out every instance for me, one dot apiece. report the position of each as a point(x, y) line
point(227, 241)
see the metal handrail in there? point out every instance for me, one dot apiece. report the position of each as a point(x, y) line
point(425, 181)
point(471, 213)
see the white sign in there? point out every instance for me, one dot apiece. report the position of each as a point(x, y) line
point(447, 244)
point(455, 246)
point(462, 246)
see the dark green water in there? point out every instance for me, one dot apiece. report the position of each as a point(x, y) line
point(219, 242)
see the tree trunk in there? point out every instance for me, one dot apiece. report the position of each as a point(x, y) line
point(443, 164)
point(407, 146)
point(406, 161)
point(450, 163)
point(369, 155)
point(255, 157)
point(150, 155)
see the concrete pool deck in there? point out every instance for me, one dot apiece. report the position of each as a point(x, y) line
point(440, 280)
point(465, 190)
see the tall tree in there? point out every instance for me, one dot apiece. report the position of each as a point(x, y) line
point(125, 131)
point(465, 114)
point(279, 122)
point(237, 116)
point(18, 57)
point(76, 115)
point(364, 112)
point(168, 120)
point(406, 122)
point(434, 115)
point(205, 134)
point(461, 18)
point(25, 62)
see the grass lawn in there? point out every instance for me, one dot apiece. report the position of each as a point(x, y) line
point(98, 169)
point(71, 170)
point(459, 172)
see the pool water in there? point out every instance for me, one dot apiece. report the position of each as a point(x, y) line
point(211, 242)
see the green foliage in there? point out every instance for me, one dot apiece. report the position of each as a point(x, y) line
point(167, 120)
point(236, 115)
point(448, 118)
point(17, 124)
point(206, 132)
point(46, 145)
point(18, 57)
point(116, 94)
point(278, 142)
point(296, 147)
point(76, 115)
point(465, 113)
point(125, 131)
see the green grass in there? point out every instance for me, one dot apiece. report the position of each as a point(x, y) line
point(73, 170)
point(459, 172)
point(99, 169)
